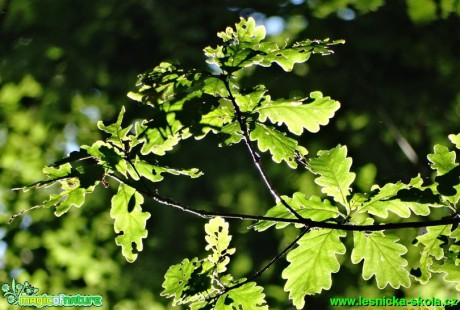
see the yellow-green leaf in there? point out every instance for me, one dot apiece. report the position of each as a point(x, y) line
point(312, 263)
point(333, 168)
point(299, 114)
point(382, 257)
point(130, 220)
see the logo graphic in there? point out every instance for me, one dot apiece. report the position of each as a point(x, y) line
point(25, 295)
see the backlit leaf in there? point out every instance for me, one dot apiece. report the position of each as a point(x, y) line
point(218, 240)
point(248, 100)
point(455, 247)
point(442, 160)
point(382, 257)
point(244, 47)
point(333, 168)
point(431, 244)
point(215, 86)
point(401, 208)
point(154, 173)
point(401, 199)
point(280, 146)
point(178, 282)
point(247, 296)
point(312, 263)
point(230, 134)
point(299, 114)
point(75, 198)
point(158, 140)
point(455, 139)
point(118, 134)
point(108, 157)
point(216, 119)
point(62, 171)
point(130, 221)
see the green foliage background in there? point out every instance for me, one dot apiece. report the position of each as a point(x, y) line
point(66, 64)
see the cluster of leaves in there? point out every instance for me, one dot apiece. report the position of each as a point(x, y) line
point(187, 103)
point(203, 284)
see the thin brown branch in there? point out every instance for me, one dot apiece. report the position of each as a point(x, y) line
point(254, 156)
point(453, 219)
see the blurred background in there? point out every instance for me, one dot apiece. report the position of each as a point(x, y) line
point(65, 64)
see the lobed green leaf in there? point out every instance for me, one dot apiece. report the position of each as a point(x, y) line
point(280, 146)
point(118, 134)
point(154, 173)
point(179, 282)
point(432, 248)
point(130, 221)
point(218, 240)
point(158, 140)
point(333, 168)
point(201, 284)
point(382, 257)
point(401, 199)
point(299, 114)
point(247, 296)
point(312, 263)
point(442, 160)
point(455, 139)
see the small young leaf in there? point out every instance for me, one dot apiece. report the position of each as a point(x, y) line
point(245, 32)
point(240, 49)
point(247, 296)
point(248, 100)
point(298, 115)
point(154, 173)
point(177, 280)
point(244, 47)
point(442, 160)
point(216, 119)
point(230, 134)
point(54, 173)
point(75, 198)
point(215, 87)
point(382, 257)
point(201, 284)
point(431, 249)
point(218, 240)
point(280, 146)
point(333, 168)
point(455, 139)
point(300, 52)
point(118, 134)
point(130, 222)
point(158, 140)
point(312, 263)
